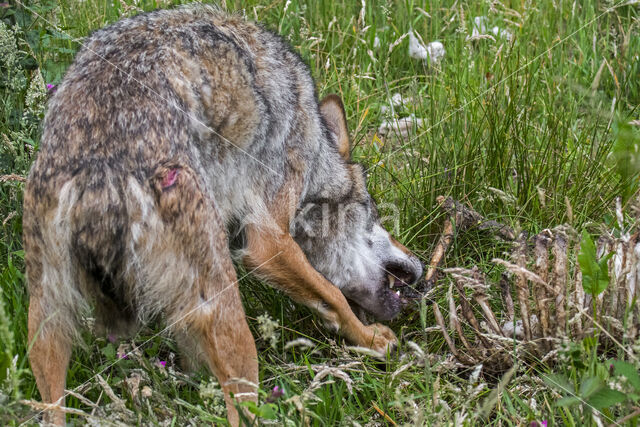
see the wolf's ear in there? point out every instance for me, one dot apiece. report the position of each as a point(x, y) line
point(332, 110)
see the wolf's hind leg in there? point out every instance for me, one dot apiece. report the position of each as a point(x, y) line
point(224, 338)
point(49, 357)
point(183, 262)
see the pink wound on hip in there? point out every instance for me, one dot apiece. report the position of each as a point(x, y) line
point(170, 178)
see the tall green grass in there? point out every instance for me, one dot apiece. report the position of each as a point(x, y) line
point(530, 131)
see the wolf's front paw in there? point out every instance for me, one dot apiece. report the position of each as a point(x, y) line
point(381, 339)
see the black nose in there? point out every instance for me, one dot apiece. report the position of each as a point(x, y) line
point(403, 272)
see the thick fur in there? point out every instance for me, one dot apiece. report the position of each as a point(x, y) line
point(171, 133)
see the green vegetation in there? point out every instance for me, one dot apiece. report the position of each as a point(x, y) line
point(531, 127)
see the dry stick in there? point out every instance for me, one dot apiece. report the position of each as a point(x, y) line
point(522, 287)
point(463, 218)
point(560, 280)
point(464, 340)
point(615, 279)
point(119, 403)
point(438, 254)
point(467, 216)
point(625, 277)
point(505, 288)
point(579, 296)
point(454, 322)
point(481, 297)
point(443, 329)
point(12, 178)
point(629, 417)
point(467, 312)
point(636, 270)
point(605, 245)
point(41, 406)
point(452, 308)
point(541, 254)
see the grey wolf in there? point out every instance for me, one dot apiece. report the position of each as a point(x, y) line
point(173, 133)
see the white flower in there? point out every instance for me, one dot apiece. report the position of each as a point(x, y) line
point(479, 26)
point(504, 33)
point(268, 328)
point(480, 30)
point(433, 52)
point(417, 49)
point(436, 52)
point(400, 127)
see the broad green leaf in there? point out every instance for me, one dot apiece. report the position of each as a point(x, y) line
point(590, 386)
point(109, 351)
point(568, 401)
point(267, 411)
point(628, 371)
point(595, 273)
point(587, 256)
point(605, 398)
point(558, 382)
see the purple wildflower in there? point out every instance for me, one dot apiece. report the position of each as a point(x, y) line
point(162, 363)
point(51, 87)
point(276, 394)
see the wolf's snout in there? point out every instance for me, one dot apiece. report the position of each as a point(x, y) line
point(403, 273)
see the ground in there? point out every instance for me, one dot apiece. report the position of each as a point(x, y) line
point(525, 110)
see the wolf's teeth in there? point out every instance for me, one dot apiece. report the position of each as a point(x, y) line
point(392, 281)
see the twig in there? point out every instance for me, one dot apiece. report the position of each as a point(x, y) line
point(466, 217)
point(384, 414)
point(505, 290)
point(623, 420)
point(541, 254)
point(560, 280)
point(522, 288)
point(12, 177)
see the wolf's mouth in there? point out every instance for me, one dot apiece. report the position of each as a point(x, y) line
point(390, 298)
point(397, 283)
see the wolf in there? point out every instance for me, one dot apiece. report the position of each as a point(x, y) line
point(177, 139)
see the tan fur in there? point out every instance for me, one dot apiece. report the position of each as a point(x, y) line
point(276, 257)
point(400, 246)
point(171, 131)
point(332, 109)
point(49, 357)
point(180, 229)
point(290, 271)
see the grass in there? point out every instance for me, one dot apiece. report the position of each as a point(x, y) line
point(531, 131)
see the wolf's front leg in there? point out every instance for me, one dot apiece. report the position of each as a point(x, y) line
point(278, 258)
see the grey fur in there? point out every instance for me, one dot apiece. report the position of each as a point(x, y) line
point(231, 105)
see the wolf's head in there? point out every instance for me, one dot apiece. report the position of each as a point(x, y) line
point(340, 231)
